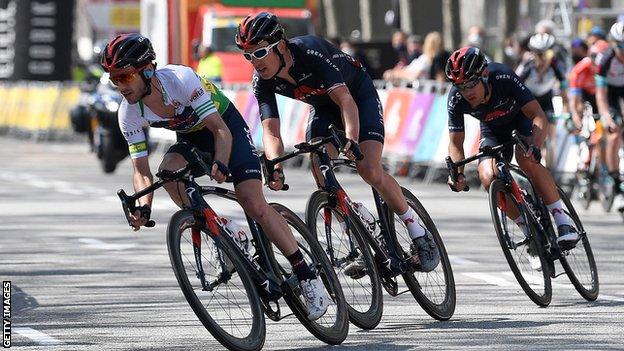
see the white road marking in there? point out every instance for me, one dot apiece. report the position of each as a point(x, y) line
point(460, 260)
point(101, 245)
point(37, 336)
point(52, 184)
point(610, 298)
point(490, 278)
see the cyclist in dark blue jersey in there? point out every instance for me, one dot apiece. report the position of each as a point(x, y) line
point(493, 94)
point(310, 69)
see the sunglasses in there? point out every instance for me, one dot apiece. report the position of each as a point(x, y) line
point(467, 85)
point(123, 78)
point(260, 53)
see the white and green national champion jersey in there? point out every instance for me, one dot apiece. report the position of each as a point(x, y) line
point(193, 97)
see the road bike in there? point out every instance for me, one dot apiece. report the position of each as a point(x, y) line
point(346, 236)
point(231, 285)
point(531, 255)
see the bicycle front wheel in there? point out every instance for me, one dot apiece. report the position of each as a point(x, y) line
point(227, 302)
point(333, 326)
point(363, 291)
point(434, 290)
point(579, 263)
point(524, 253)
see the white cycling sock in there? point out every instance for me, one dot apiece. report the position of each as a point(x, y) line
point(561, 218)
point(411, 221)
point(522, 224)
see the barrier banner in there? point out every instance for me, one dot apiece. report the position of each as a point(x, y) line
point(415, 122)
point(397, 108)
point(435, 127)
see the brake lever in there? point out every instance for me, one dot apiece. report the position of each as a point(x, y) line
point(339, 136)
point(454, 174)
point(128, 206)
point(268, 167)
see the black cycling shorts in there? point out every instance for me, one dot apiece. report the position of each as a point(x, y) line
point(545, 102)
point(369, 109)
point(244, 162)
point(496, 135)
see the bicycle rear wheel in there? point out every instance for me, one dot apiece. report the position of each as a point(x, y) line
point(434, 290)
point(230, 309)
point(333, 326)
point(362, 294)
point(606, 193)
point(579, 263)
point(524, 254)
point(583, 190)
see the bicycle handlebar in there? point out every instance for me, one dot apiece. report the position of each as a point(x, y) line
point(128, 202)
point(337, 136)
point(484, 151)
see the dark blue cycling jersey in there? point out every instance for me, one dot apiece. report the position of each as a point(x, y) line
point(501, 114)
point(318, 68)
point(508, 95)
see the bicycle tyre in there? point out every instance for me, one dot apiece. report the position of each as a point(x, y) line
point(540, 298)
point(606, 191)
point(332, 332)
point(366, 315)
point(583, 189)
point(574, 261)
point(419, 282)
point(254, 340)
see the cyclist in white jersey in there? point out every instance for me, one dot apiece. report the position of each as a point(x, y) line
point(176, 98)
point(539, 74)
point(609, 96)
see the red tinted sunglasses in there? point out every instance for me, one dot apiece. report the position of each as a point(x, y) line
point(123, 78)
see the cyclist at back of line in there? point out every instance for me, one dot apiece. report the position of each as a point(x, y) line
point(494, 94)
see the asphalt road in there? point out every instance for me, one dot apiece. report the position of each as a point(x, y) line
point(82, 280)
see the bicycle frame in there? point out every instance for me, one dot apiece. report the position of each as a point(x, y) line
point(263, 274)
point(533, 207)
point(389, 257)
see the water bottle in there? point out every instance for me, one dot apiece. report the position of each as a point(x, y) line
point(238, 234)
point(365, 215)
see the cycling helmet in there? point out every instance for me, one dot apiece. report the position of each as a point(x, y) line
point(617, 32)
point(127, 50)
point(256, 28)
point(465, 64)
point(541, 42)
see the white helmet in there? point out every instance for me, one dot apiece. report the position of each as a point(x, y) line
point(541, 42)
point(617, 31)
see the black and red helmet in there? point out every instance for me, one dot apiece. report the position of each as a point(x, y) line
point(465, 64)
point(127, 50)
point(256, 28)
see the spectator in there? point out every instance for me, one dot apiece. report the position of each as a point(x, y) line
point(421, 67)
point(437, 66)
point(352, 50)
point(400, 48)
point(209, 66)
point(414, 47)
point(476, 38)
